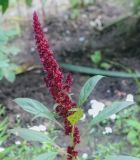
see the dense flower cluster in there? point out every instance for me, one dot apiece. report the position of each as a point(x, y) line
point(71, 152)
point(58, 88)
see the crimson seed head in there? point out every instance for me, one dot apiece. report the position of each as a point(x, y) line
point(58, 88)
point(50, 65)
point(71, 153)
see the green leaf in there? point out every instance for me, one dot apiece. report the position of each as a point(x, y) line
point(29, 2)
point(31, 135)
point(75, 13)
point(136, 6)
point(134, 123)
point(95, 71)
point(87, 88)
point(47, 156)
point(119, 157)
point(108, 111)
point(105, 65)
point(35, 107)
point(76, 116)
point(9, 75)
point(4, 63)
point(12, 33)
point(132, 137)
point(96, 57)
point(4, 4)
point(3, 57)
point(74, 3)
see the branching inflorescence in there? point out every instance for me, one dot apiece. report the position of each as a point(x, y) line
point(59, 88)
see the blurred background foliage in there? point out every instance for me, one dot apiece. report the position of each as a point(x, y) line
point(12, 26)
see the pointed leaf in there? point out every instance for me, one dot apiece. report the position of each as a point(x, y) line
point(95, 71)
point(31, 135)
point(87, 88)
point(47, 156)
point(108, 111)
point(35, 107)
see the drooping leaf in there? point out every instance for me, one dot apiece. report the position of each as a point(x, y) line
point(47, 156)
point(74, 118)
point(87, 88)
point(4, 4)
point(35, 107)
point(108, 111)
point(31, 135)
point(96, 71)
point(121, 157)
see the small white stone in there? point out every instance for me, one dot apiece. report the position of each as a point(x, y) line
point(17, 142)
point(92, 24)
point(130, 98)
point(2, 149)
point(18, 115)
point(32, 49)
point(113, 117)
point(107, 130)
point(81, 39)
point(108, 91)
point(45, 29)
point(97, 23)
point(85, 156)
point(67, 32)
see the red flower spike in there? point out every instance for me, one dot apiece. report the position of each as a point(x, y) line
point(71, 153)
point(59, 89)
point(68, 83)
